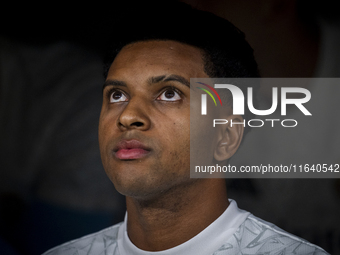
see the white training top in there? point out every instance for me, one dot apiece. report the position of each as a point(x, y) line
point(234, 232)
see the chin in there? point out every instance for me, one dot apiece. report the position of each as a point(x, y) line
point(140, 193)
point(136, 186)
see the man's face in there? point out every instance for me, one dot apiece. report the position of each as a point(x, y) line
point(145, 119)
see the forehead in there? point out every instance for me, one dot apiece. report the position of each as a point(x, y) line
point(159, 56)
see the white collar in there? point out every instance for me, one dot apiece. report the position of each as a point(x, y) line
point(206, 242)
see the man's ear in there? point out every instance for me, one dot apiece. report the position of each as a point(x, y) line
point(229, 138)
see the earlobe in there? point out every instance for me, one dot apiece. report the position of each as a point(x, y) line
point(229, 138)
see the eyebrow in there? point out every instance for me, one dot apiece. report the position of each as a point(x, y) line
point(113, 83)
point(171, 77)
point(151, 80)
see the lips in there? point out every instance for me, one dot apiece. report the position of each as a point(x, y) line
point(131, 149)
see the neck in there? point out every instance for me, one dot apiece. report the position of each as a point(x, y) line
point(176, 216)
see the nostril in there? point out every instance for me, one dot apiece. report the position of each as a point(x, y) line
point(137, 124)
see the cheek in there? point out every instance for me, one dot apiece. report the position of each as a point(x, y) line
point(102, 132)
point(105, 129)
point(203, 137)
point(178, 140)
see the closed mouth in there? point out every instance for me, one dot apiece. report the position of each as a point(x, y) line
point(130, 149)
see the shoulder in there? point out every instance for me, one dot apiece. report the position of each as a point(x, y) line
point(96, 243)
point(256, 236)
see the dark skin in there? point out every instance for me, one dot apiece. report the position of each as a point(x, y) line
point(146, 103)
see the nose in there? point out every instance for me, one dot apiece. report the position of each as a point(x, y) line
point(134, 116)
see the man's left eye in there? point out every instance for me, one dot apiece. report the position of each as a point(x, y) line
point(169, 95)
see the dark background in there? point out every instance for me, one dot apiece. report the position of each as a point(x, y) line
point(88, 27)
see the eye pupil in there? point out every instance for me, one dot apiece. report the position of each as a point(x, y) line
point(116, 95)
point(169, 94)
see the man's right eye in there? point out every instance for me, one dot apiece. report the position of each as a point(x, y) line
point(117, 96)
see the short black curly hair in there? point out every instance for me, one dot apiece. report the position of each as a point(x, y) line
point(226, 52)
